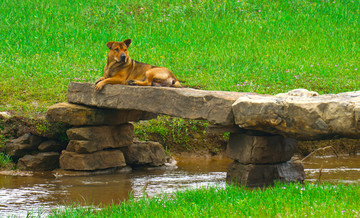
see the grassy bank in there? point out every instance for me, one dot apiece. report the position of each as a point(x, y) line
point(246, 46)
point(283, 200)
point(251, 46)
point(181, 135)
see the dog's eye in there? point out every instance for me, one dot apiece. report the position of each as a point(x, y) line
point(116, 49)
point(125, 49)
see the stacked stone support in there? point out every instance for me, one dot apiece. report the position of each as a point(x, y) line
point(98, 137)
point(261, 159)
point(96, 147)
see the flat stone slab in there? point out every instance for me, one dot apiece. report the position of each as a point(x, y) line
point(90, 139)
point(79, 115)
point(301, 114)
point(94, 161)
point(39, 162)
point(214, 106)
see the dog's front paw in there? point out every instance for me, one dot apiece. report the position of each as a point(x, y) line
point(99, 86)
point(132, 83)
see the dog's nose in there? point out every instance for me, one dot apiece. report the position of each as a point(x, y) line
point(123, 57)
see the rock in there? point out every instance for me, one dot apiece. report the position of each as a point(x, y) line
point(22, 145)
point(214, 106)
point(95, 161)
point(291, 171)
point(301, 116)
point(83, 147)
point(298, 92)
point(39, 162)
point(248, 149)
point(4, 115)
point(145, 153)
point(78, 115)
point(16, 173)
point(51, 145)
point(264, 175)
point(95, 138)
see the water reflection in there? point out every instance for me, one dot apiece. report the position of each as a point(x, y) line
point(345, 169)
point(19, 195)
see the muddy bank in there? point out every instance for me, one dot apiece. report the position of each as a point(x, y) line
point(15, 126)
point(341, 146)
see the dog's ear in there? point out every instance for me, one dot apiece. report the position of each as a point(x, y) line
point(109, 44)
point(127, 42)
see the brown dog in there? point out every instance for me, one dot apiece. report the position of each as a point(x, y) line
point(121, 69)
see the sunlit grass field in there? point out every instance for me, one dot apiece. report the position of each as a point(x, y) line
point(283, 200)
point(249, 46)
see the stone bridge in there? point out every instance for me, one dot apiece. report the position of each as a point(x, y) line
point(263, 129)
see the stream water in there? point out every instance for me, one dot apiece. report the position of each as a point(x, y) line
point(20, 195)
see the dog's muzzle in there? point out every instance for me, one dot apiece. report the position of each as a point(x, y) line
point(123, 58)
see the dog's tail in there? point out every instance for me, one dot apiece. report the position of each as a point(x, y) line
point(176, 84)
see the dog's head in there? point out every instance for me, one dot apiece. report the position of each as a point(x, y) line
point(119, 51)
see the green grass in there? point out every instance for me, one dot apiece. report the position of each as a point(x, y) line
point(178, 135)
point(250, 46)
point(166, 130)
point(5, 161)
point(175, 129)
point(283, 200)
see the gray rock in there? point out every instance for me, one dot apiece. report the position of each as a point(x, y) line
point(78, 115)
point(22, 145)
point(95, 161)
point(214, 106)
point(248, 149)
point(4, 115)
point(39, 162)
point(145, 154)
point(51, 145)
point(83, 147)
point(301, 116)
point(95, 138)
point(298, 92)
point(254, 175)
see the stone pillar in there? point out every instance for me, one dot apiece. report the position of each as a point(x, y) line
point(103, 138)
point(261, 159)
point(96, 147)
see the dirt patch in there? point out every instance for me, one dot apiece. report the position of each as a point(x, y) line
point(16, 126)
point(341, 146)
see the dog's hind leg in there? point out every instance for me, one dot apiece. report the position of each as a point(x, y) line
point(155, 77)
point(176, 84)
point(149, 77)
